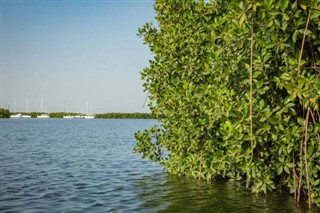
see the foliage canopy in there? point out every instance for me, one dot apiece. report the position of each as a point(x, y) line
point(236, 87)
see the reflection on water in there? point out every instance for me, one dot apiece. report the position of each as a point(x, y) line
point(180, 194)
point(88, 166)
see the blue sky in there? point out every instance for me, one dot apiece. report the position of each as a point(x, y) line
point(73, 53)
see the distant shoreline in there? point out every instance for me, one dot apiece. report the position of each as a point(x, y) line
point(4, 113)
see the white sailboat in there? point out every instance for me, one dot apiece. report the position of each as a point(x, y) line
point(87, 116)
point(44, 115)
point(14, 110)
point(27, 115)
point(67, 116)
point(15, 116)
point(78, 117)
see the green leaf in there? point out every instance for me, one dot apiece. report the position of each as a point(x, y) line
point(227, 124)
point(185, 85)
point(256, 74)
point(264, 188)
point(289, 87)
point(284, 26)
point(277, 80)
point(279, 170)
point(284, 4)
point(270, 23)
point(302, 5)
point(310, 150)
point(260, 84)
point(286, 76)
point(289, 105)
point(315, 14)
point(242, 19)
point(294, 5)
point(241, 5)
point(286, 169)
point(300, 121)
point(294, 36)
point(261, 104)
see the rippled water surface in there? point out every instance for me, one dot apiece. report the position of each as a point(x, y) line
point(58, 165)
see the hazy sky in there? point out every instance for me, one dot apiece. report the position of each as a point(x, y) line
point(73, 53)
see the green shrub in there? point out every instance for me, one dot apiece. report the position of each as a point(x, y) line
point(236, 87)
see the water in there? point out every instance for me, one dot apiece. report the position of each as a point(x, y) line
point(58, 165)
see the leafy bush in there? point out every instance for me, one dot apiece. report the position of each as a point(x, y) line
point(236, 88)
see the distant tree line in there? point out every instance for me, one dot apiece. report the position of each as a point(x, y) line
point(135, 115)
point(5, 113)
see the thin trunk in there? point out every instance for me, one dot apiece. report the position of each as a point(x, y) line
point(301, 169)
point(298, 73)
point(251, 92)
point(302, 45)
point(145, 100)
point(314, 121)
point(294, 177)
point(306, 156)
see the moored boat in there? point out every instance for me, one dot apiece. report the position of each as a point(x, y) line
point(27, 111)
point(15, 116)
point(43, 110)
point(67, 116)
point(43, 116)
point(78, 117)
point(88, 117)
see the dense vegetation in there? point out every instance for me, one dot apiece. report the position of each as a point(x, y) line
point(236, 87)
point(4, 113)
point(136, 115)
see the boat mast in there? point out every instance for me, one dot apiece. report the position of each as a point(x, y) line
point(14, 105)
point(27, 106)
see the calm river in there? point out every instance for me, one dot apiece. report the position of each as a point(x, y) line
point(60, 165)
